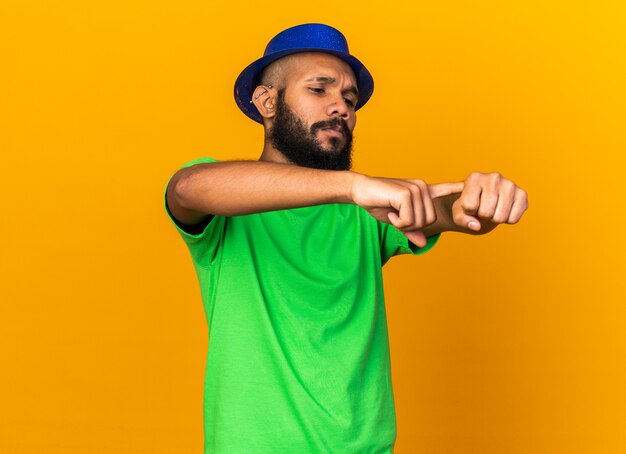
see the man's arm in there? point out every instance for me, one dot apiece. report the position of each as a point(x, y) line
point(232, 188)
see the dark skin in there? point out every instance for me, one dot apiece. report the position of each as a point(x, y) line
point(318, 87)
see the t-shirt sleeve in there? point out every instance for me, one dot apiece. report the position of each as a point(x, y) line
point(393, 242)
point(202, 242)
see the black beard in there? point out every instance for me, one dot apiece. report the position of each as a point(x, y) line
point(289, 135)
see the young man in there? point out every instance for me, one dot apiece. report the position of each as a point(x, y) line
point(289, 252)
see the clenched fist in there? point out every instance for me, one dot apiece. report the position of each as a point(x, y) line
point(483, 201)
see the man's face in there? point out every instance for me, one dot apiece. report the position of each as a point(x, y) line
point(314, 117)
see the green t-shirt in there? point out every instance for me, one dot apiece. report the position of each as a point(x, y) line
point(298, 357)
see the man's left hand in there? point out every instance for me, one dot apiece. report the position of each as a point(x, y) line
point(479, 204)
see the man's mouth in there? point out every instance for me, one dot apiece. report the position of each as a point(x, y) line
point(334, 131)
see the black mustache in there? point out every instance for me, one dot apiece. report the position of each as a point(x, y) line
point(334, 123)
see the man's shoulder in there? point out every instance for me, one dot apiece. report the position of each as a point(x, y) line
point(201, 160)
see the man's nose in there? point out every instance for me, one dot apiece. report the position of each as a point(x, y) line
point(339, 108)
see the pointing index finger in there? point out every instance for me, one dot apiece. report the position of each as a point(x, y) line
point(443, 189)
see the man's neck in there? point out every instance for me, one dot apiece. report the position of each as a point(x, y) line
point(271, 154)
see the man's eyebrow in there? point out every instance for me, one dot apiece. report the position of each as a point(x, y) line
point(322, 79)
point(329, 80)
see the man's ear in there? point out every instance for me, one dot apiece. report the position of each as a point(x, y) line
point(264, 98)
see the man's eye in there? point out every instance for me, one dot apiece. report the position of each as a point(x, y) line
point(316, 90)
point(349, 102)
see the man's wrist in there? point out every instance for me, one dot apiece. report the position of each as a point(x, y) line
point(351, 180)
point(445, 221)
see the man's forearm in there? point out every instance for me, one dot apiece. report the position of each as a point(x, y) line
point(233, 188)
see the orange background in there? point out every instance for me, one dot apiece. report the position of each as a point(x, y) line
point(513, 342)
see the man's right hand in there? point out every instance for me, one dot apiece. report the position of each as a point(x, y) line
point(410, 205)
